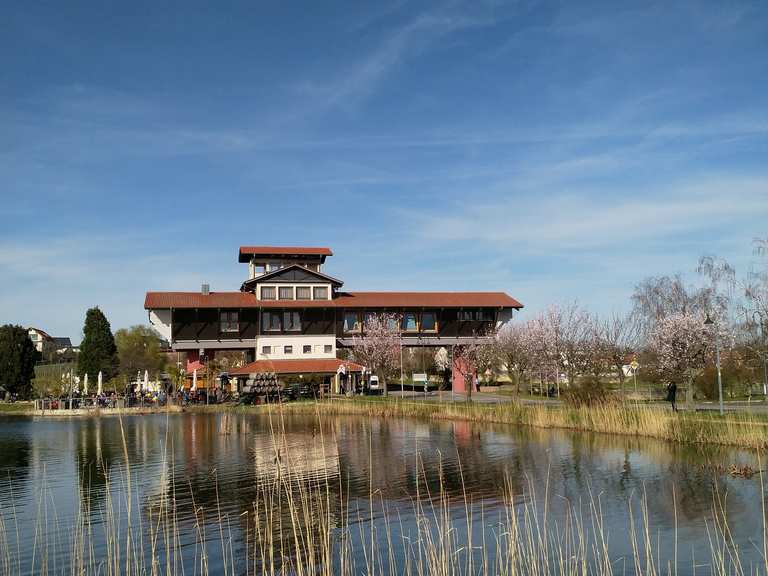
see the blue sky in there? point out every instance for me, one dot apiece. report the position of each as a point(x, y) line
point(555, 151)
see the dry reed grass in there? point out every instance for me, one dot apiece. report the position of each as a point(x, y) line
point(744, 430)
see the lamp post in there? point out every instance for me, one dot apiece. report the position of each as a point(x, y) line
point(710, 322)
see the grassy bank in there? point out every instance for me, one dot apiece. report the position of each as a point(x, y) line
point(735, 429)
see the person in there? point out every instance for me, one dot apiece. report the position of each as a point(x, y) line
point(672, 395)
point(477, 383)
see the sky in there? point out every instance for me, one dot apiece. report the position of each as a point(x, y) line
point(554, 151)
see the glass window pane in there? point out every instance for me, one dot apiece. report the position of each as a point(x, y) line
point(291, 321)
point(392, 323)
point(287, 349)
point(428, 321)
point(409, 322)
point(303, 293)
point(267, 292)
point(266, 349)
point(351, 322)
point(286, 293)
point(320, 293)
point(328, 348)
point(270, 321)
point(307, 348)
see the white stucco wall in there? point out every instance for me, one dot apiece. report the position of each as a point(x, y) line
point(161, 321)
point(298, 342)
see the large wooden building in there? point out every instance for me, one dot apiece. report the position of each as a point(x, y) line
point(289, 313)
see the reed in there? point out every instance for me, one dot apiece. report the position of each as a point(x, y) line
point(308, 525)
point(745, 430)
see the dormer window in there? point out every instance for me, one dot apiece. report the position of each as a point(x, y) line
point(259, 269)
point(320, 292)
point(268, 293)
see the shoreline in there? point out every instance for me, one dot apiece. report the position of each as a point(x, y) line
point(737, 429)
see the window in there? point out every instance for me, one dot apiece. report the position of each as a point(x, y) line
point(288, 349)
point(368, 318)
point(267, 292)
point(266, 349)
point(351, 322)
point(318, 348)
point(465, 315)
point(229, 322)
point(285, 292)
point(484, 315)
point(428, 322)
point(303, 293)
point(270, 321)
point(291, 321)
point(320, 292)
point(274, 266)
point(393, 323)
point(409, 322)
point(307, 348)
point(328, 348)
point(259, 269)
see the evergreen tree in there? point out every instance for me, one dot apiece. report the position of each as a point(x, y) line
point(17, 360)
point(97, 350)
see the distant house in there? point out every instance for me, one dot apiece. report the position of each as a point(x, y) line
point(40, 339)
point(48, 345)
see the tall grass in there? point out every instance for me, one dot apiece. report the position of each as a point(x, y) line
point(740, 429)
point(309, 525)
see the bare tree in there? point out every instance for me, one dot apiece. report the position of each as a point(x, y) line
point(657, 297)
point(621, 338)
point(379, 346)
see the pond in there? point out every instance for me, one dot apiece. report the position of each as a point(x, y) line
point(199, 492)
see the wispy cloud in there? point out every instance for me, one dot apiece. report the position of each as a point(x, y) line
point(578, 220)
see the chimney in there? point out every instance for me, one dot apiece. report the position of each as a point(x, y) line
point(206, 289)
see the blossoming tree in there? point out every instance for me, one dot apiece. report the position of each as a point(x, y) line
point(379, 347)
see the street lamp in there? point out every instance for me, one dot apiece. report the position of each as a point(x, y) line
point(709, 322)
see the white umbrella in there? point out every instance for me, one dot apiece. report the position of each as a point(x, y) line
point(146, 381)
point(76, 387)
point(194, 380)
point(85, 385)
point(98, 385)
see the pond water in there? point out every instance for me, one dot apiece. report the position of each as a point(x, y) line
point(66, 480)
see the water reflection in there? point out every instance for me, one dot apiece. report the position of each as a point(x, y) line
point(226, 466)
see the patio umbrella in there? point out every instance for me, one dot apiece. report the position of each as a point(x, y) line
point(194, 380)
point(146, 381)
point(98, 384)
point(85, 385)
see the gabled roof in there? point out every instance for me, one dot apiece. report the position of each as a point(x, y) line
point(247, 252)
point(304, 366)
point(42, 333)
point(293, 274)
point(166, 300)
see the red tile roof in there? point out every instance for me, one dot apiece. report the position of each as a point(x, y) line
point(425, 299)
point(162, 300)
point(283, 251)
point(305, 366)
